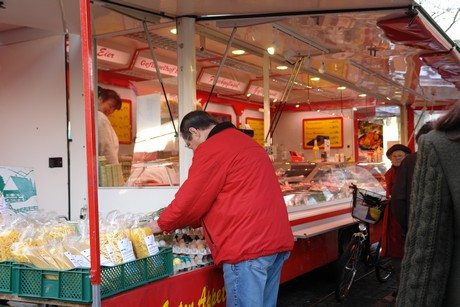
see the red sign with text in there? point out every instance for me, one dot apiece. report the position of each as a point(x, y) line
point(199, 288)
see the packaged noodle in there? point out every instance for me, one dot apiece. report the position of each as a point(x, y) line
point(7, 238)
point(59, 230)
point(76, 249)
point(58, 252)
point(141, 236)
point(31, 236)
point(18, 251)
point(34, 256)
point(114, 240)
point(10, 235)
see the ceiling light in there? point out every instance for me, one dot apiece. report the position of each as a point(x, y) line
point(362, 95)
point(322, 68)
point(282, 67)
point(341, 88)
point(355, 109)
point(296, 105)
point(173, 31)
point(271, 50)
point(248, 94)
point(275, 100)
point(238, 52)
point(315, 78)
point(388, 98)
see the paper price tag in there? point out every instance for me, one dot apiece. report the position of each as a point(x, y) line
point(152, 246)
point(126, 249)
point(82, 259)
point(109, 250)
point(104, 261)
point(72, 259)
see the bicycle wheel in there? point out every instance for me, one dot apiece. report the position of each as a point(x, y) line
point(348, 265)
point(383, 266)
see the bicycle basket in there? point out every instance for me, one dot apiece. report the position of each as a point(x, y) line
point(368, 206)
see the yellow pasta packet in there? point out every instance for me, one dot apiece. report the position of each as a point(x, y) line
point(142, 238)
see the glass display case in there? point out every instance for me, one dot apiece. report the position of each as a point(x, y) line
point(154, 173)
point(313, 184)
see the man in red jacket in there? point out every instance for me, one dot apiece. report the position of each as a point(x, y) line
point(233, 192)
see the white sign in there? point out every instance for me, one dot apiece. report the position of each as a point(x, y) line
point(223, 82)
point(148, 64)
point(112, 55)
point(17, 184)
point(259, 91)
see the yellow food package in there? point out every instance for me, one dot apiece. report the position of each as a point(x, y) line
point(58, 253)
point(17, 251)
point(35, 258)
point(116, 246)
point(7, 238)
point(59, 231)
point(143, 241)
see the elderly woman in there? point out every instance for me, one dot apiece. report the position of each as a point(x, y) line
point(392, 232)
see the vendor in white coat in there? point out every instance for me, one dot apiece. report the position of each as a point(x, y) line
point(108, 102)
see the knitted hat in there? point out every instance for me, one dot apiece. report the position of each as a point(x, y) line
point(398, 147)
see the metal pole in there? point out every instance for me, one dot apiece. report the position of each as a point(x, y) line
point(267, 110)
point(93, 210)
point(186, 84)
point(157, 68)
point(216, 77)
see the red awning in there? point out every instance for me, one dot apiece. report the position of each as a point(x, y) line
point(410, 30)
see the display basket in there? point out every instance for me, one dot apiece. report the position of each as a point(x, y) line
point(368, 206)
point(6, 277)
point(74, 285)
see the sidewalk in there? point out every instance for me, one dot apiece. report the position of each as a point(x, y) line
point(316, 289)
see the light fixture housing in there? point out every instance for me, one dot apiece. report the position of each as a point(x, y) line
point(322, 68)
point(238, 52)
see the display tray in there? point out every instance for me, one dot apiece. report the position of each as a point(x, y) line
point(6, 277)
point(75, 286)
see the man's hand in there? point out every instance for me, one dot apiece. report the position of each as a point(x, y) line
point(155, 228)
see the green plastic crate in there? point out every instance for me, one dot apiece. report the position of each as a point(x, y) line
point(74, 285)
point(6, 277)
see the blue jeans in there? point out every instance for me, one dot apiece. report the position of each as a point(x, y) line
point(254, 283)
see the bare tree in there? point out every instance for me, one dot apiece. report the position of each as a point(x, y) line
point(445, 13)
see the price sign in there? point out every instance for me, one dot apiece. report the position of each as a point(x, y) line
point(323, 128)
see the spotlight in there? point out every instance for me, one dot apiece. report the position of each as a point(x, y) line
point(322, 68)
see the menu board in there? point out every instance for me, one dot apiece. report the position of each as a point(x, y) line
point(322, 128)
point(121, 121)
point(257, 124)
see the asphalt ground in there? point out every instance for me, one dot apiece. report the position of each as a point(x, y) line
point(316, 289)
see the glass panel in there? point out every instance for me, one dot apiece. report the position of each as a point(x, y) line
point(147, 122)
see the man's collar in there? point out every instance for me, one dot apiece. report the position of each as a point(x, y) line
point(220, 127)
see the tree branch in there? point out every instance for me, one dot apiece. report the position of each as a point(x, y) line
point(454, 20)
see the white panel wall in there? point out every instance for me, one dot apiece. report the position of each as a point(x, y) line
point(77, 147)
point(33, 115)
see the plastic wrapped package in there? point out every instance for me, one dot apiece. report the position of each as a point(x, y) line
point(142, 238)
point(9, 235)
point(114, 239)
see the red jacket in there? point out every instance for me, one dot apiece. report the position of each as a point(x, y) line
point(233, 191)
point(392, 233)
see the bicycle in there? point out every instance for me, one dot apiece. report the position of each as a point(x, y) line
point(368, 207)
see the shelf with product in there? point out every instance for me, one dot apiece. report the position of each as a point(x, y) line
point(317, 194)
